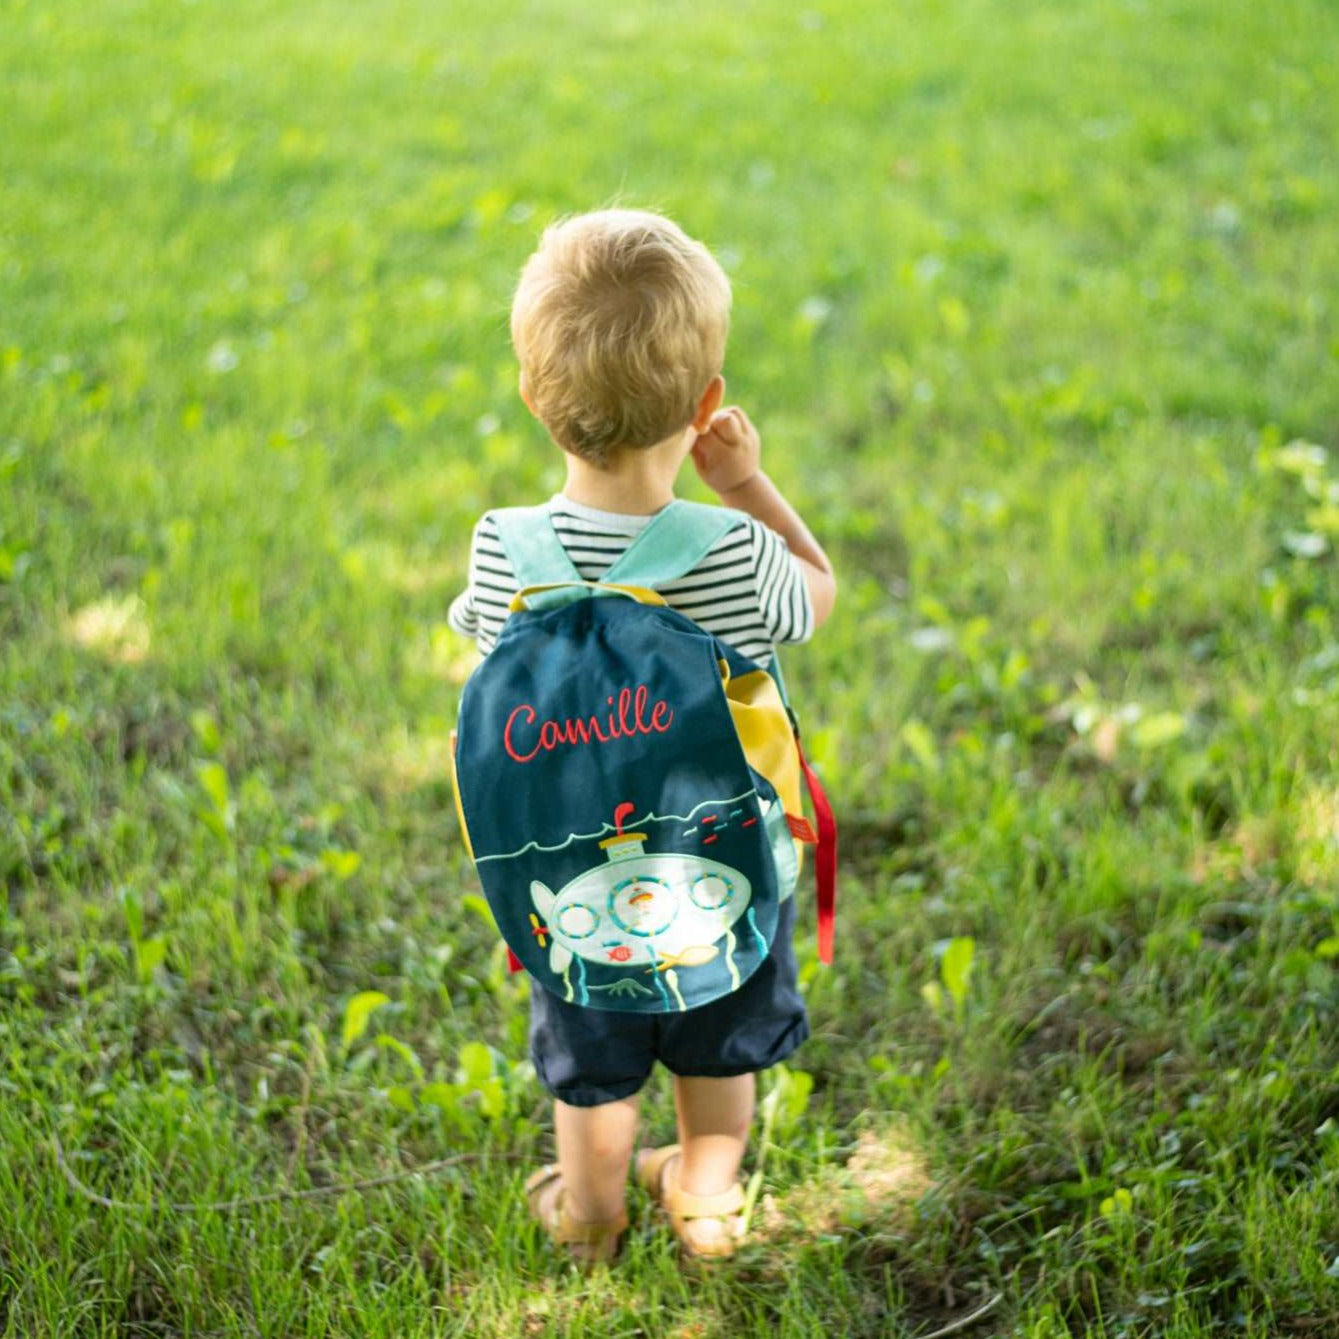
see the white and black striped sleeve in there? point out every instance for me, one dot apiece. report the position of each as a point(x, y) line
point(462, 617)
point(482, 609)
point(783, 593)
point(748, 590)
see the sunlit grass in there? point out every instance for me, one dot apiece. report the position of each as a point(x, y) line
point(115, 628)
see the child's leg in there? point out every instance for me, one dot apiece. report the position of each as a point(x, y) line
point(714, 1118)
point(594, 1148)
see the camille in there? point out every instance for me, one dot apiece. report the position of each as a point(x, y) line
point(630, 713)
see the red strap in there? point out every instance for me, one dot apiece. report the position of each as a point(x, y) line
point(825, 858)
point(513, 962)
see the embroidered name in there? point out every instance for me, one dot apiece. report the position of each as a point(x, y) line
point(631, 713)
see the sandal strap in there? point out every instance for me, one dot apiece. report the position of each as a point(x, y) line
point(651, 1169)
point(558, 1221)
point(573, 1232)
point(538, 1180)
point(656, 1176)
point(681, 1204)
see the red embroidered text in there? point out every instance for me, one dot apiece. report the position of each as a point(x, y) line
point(632, 712)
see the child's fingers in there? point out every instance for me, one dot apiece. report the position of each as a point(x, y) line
point(722, 425)
point(728, 424)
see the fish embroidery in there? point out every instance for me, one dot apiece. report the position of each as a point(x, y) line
point(693, 956)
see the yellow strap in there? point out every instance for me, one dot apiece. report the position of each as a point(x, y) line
point(765, 731)
point(455, 790)
point(639, 593)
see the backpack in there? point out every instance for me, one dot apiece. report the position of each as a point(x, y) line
point(628, 785)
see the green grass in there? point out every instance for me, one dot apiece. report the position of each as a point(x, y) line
point(1033, 300)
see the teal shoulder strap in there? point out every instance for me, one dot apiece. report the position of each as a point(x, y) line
point(532, 546)
point(673, 543)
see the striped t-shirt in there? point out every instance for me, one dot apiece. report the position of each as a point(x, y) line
point(749, 590)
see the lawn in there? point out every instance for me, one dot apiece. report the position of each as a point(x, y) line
point(1037, 308)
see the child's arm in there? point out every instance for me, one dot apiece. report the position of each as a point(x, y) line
point(728, 458)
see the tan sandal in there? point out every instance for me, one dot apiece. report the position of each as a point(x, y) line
point(707, 1226)
point(586, 1242)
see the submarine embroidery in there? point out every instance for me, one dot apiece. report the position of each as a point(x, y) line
point(660, 911)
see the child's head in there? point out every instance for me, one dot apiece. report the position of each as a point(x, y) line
point(619, 322)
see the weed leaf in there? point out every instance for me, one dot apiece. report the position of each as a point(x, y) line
point(357, 1013)
point(955, 969)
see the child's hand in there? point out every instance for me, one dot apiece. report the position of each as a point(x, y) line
point(727, 455)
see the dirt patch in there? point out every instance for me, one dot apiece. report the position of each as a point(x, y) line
point(881, 1184)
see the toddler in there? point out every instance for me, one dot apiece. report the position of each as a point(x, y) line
point(619, 323)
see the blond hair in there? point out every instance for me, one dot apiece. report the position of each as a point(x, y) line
point(619, 321)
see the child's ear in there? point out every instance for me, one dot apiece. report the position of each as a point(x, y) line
point(709, 403)
point(525, 394)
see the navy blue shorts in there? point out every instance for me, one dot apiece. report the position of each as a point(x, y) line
point(586, 1057)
